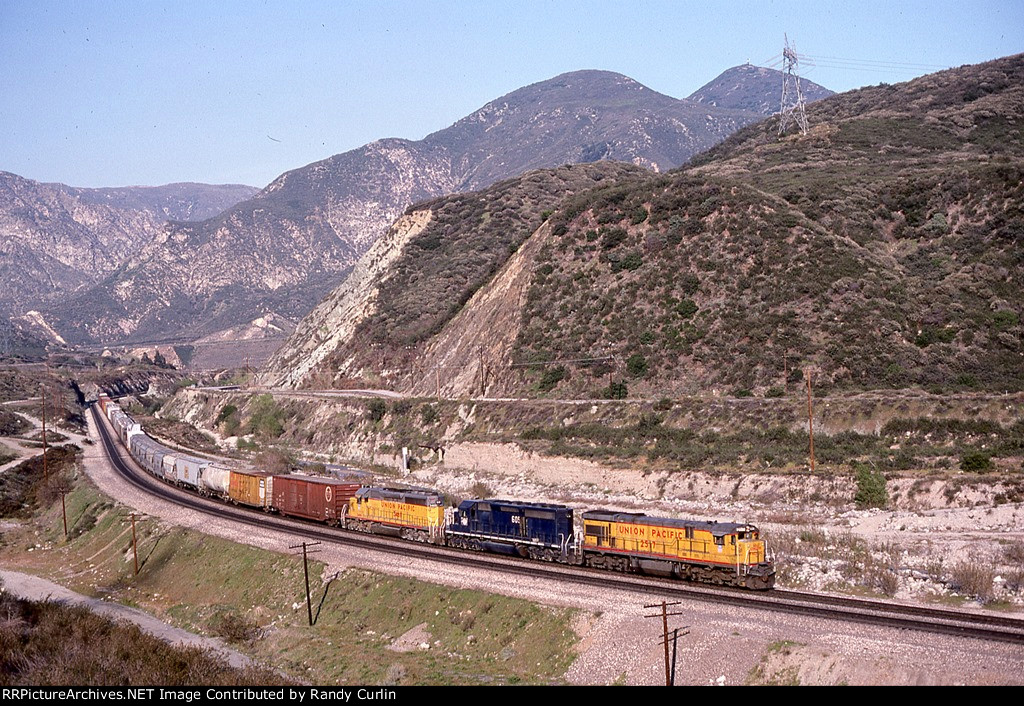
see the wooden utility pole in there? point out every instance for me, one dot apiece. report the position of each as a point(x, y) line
point(64, 511)
point(664, 614)
point(135, 544)
point(483, 374)
point(46, 476)
point(305, 571)
point(810, 416)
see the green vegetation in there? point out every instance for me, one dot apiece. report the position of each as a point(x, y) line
point(266, 419)
point(469, 238)
point(976, 462)
point(871, 490)
point(376, 409)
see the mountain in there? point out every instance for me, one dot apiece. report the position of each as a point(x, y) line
point(283, 250)
point(56, 239)
point(880, 250)
point(183, 201)
point(753, 89)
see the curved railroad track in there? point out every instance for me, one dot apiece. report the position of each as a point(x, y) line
point(880, 613)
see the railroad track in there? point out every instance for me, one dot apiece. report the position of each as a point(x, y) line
point(871, 612)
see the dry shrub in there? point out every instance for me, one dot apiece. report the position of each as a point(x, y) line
point(1013, 553)
point(234, 628)
point(394, 674)
point(55, 644)
point(972, 578)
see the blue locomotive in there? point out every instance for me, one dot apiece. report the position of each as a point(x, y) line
point(534, 530)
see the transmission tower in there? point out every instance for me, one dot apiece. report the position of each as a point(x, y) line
point(792, 97)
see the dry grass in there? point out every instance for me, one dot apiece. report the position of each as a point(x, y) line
point(973, 578)
point(54, 644)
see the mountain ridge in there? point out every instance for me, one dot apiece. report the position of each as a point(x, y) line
point(343, 203)
point(881, 249)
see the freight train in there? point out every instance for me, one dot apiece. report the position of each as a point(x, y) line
point(722, 553)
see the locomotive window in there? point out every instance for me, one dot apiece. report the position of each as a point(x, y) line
point(720, 539)
point(689, 532)
point(595, 530)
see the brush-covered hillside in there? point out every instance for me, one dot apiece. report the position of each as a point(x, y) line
point(883, 249)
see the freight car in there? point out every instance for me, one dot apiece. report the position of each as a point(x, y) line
point(411, 513)
point(252, 488)
point(720, 553)
point(321, 499)
point(712, 552)
point(535, 530)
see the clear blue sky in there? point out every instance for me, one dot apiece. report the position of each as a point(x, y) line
point(145, 92)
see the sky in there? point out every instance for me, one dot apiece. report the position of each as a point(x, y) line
point(143, 92)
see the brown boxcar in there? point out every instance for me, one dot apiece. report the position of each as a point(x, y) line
point(253, 488)
point(323, 499)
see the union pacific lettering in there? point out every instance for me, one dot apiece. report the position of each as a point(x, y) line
point(649, 532)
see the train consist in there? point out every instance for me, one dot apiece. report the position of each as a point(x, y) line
point(721, 553)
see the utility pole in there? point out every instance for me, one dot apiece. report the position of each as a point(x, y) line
point(670, 666)
point(64, 510)
point(810, 415)
point(46, 475)
point(793, 105)
point(482, 374)
point(135, 543)
point(305, 571)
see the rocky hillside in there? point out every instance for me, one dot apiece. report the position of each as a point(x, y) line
point(429, 264)
point(882, 250)
point(184, 201)
point(58, 239)
point(283, 250)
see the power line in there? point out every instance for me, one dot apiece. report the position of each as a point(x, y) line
point(873, 61)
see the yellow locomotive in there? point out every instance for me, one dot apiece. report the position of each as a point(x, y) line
point(724, 553)
point(410, 513)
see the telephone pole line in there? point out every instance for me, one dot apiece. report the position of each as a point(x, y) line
point(670, 663)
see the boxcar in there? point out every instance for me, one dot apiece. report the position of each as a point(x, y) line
point(715, 552)
point(412, 513)
point(252, 488)
point(323, 499)
point(535, 530)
